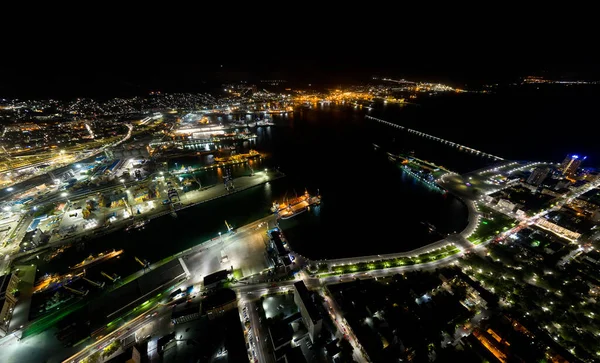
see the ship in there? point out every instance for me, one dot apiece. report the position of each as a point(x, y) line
point(429, 226)
point(296, 206)
point(91, 260)
point(54, 282)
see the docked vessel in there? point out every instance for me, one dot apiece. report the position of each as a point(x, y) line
point(54, 282)
point(298, 205)
point(137, 225)
point(91, 260)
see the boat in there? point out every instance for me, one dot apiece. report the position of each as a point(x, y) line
point(295, 206)
point(291, 214)
point(137, 225)
point(91, 260)
point(429, 226)
point(54, 282)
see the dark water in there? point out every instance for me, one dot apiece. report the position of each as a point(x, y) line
point(369, 206)
point(366, 198)
point(534, 123)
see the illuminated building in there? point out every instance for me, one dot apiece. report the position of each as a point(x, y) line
point(538, 176)
point(570, 165)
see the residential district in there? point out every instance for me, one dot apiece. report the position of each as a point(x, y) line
point(520, 283)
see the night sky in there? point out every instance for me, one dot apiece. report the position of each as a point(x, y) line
point(68, 81)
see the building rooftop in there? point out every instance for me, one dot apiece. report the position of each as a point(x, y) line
point(286, 260)
point(20, 315)
point(188, 310)
point(294, 356)
point(570, 220)
point(332, 348)
point(281, 333)
point(216, 277)
point(4, 280)
point(219, 298)
point(276, 236)
point(309, 304)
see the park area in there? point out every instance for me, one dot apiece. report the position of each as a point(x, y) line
point(492, 223)
point(432, 256)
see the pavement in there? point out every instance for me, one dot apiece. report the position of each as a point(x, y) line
point(245, 250)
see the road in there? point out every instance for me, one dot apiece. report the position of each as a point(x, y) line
point(131, 327)
point(249, 293)
point(197, 260)
point(202, 262)
point(358, 354)
point(257, 350)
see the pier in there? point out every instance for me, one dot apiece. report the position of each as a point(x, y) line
point(435, 138)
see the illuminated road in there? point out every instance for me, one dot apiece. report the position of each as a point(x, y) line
point(245, 250)
point(100, 344)
point(358, 354)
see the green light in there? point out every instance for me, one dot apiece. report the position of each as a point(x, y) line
point(146, 303)
point(484, 222)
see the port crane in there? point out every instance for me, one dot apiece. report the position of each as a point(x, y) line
point(76, 291)
point(145, 264)
point(229, 227)
point(93, 283)
point(111, 278)
point(141, 263)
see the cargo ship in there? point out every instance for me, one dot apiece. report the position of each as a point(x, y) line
point(298, 205)
point(91, 260)
point(238, 158)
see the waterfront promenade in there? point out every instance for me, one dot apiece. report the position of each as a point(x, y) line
point(458, 239)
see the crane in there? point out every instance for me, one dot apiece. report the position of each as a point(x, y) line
point(76, 291)
point(229, 227)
